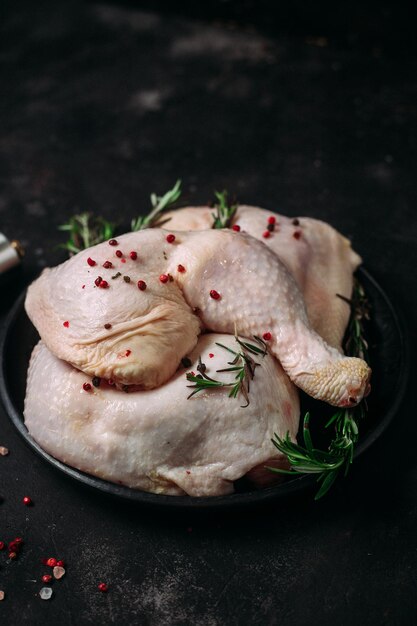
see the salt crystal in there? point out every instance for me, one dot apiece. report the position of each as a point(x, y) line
point(4, 451)
point(1, 595)
point(58, 571)
point(45, 593)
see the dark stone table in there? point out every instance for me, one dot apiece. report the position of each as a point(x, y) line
point(102, 104)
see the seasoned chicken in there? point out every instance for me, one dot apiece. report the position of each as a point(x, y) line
point(158, 440)
point(320, 259)
point(219, 278)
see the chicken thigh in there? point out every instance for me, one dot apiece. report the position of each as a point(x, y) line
point(320, 259)
point(224, 279)
point(159, 440)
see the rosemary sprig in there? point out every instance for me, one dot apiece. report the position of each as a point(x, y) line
point(159, 205)
point(85, 230)
point(337, 459)
point(242, 363)
point(223, 216)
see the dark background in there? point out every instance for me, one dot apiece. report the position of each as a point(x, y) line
point(311, 111)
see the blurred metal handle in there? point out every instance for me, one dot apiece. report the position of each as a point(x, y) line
point(11, 253)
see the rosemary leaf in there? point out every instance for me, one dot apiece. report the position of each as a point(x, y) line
point(159, 205)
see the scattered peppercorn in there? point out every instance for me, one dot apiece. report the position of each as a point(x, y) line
point(107, 264)
point(164, 278)
point(107, 326)
point(116, 275)
point(211, 355)
point(46, 578)
point(12, 555)
point(126, 279)
point(91, 262)
point(267, 336)
point(271, 220)
point(51, 562)
point(215, 294)
point(266, 234)
point(141, 285)
point(296, 222)
point(66, 324)
point(297, 234)
point(119, 253)
point(103, 284)
point(186, 362)
point(128, 352)
point(102, 587)
point(27, 501)
point(181, 269)
point(271, 228)
point(87, 387)
point(2, 545)
point(96, 381)
point(98, 281)
point(170, 238)
point(236, 227)
point(60, 563)
point(113, 242)
point(133, 255)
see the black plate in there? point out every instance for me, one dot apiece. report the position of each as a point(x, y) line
point(389, 360)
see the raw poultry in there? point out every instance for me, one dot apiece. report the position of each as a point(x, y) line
point(217, 279)
point(162, 289)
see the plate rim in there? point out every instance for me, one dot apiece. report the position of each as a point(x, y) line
point(185, 502)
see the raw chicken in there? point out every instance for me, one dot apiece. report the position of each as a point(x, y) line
point(158, 440)
point(320, 259)
point(228, 278)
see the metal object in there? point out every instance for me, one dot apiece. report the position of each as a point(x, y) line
point(11, 253)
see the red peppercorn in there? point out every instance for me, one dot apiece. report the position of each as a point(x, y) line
point(271, 220)
point(102, 587)
point(27, 501)
point(181, 269)
point(66, 324)
point(297, 234)
point(133, 255)
point(107, 326)
point(128, 352)
point(60, 563)
point(164, 278)
point(170, 238)
point(103, 284)
point(107, 264)
point(2, 545)
point(267, 336)
point(266, 234)
point(236, 227)
point(87, 387)
point(113, 242)
point(91, 262)
point(215, 294)
point(119, 253)
point(211, 355)
point(51, 562)
point(46, 578)
point(141, 285)
point(98, 281)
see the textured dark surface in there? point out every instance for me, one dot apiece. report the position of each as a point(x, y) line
point(101, 105)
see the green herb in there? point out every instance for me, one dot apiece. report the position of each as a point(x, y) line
point(159, 205)
point(243, 364)
point(336, 460)
point(224, 213)
point(85, 230)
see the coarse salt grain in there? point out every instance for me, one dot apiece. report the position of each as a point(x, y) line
point(45, 593)
point(4, 451)
point(58, 572)
point(2, 595)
